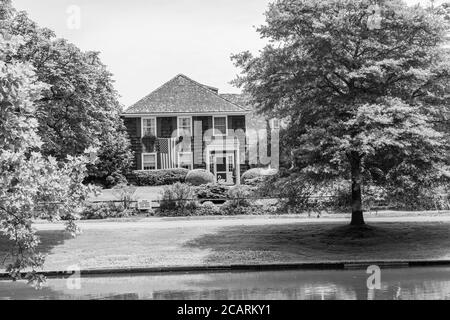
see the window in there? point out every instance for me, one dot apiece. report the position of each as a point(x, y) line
point(185, 131)
point(212, 165)
point(220, 126)
point(149, 127)
point(185, 126)
point(185, 160)
point(149, 161)
point(230, 163)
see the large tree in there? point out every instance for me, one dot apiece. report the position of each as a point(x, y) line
point(32, 186)
point(79, 107)
point(363, 89)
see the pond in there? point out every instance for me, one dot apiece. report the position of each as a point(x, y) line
point(396, 284)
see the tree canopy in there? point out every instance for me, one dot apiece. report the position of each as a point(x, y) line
point(79, 107)
point(31, 185)
point(363, 103)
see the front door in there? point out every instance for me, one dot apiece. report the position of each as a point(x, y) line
point(224, 167)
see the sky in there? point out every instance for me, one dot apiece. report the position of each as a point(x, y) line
point(145, 43)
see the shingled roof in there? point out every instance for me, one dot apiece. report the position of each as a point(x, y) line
point(184, 95)
point(239, 99)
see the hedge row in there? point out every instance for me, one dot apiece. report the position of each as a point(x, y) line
point(194, 177)
point(160, 177)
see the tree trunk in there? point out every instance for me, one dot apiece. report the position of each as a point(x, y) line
point(357, 210)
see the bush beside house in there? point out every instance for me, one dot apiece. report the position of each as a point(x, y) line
point(212, 192)
point(199, 177)
point(208, 208)
point(160, 177)
point(178, 199)
point(183, 200)
point(252, 175)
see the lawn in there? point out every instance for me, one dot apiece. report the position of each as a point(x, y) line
point(140, 193)
point(176, 243)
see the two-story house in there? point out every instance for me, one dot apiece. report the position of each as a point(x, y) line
point(185, 124)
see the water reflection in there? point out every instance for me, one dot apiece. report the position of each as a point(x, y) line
point(397, 284)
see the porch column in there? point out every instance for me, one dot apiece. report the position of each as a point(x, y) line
point(208, 167)
point(238, 167)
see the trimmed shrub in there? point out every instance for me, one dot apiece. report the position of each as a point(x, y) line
point(160, 177)
point(199, 177)
point(253, 176)
point(212, 191)
point(177, 199)
point(208, 209)
point(208, 204)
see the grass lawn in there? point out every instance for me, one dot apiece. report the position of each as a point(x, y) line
point(328, 242)
point(140, 193)
point(143, 245)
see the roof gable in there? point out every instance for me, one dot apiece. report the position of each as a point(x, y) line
point(184, 95)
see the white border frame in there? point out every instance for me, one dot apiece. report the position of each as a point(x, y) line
point(149, 154)
point(214, 126)
point(142, 125)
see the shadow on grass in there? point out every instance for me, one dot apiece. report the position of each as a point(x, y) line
point(326, 242)
point(49, 240)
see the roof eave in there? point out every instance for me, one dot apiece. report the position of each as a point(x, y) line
point(174, 114)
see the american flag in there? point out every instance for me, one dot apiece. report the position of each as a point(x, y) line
point(168, 153)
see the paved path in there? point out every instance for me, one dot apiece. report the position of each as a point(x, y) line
point(168, 223)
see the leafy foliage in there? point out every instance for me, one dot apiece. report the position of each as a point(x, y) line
point(241, 195)
point(115, 179)
point(199, 177)
point(178, 198)
point(114, 160)
point(31, 185)
point(208, 208)
point(160, 177)
point(101, 211)
point(363, 104)
point(212, 191)
point(149, 142)
point(79, 107)
point(249, 176)
point(126, 195)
